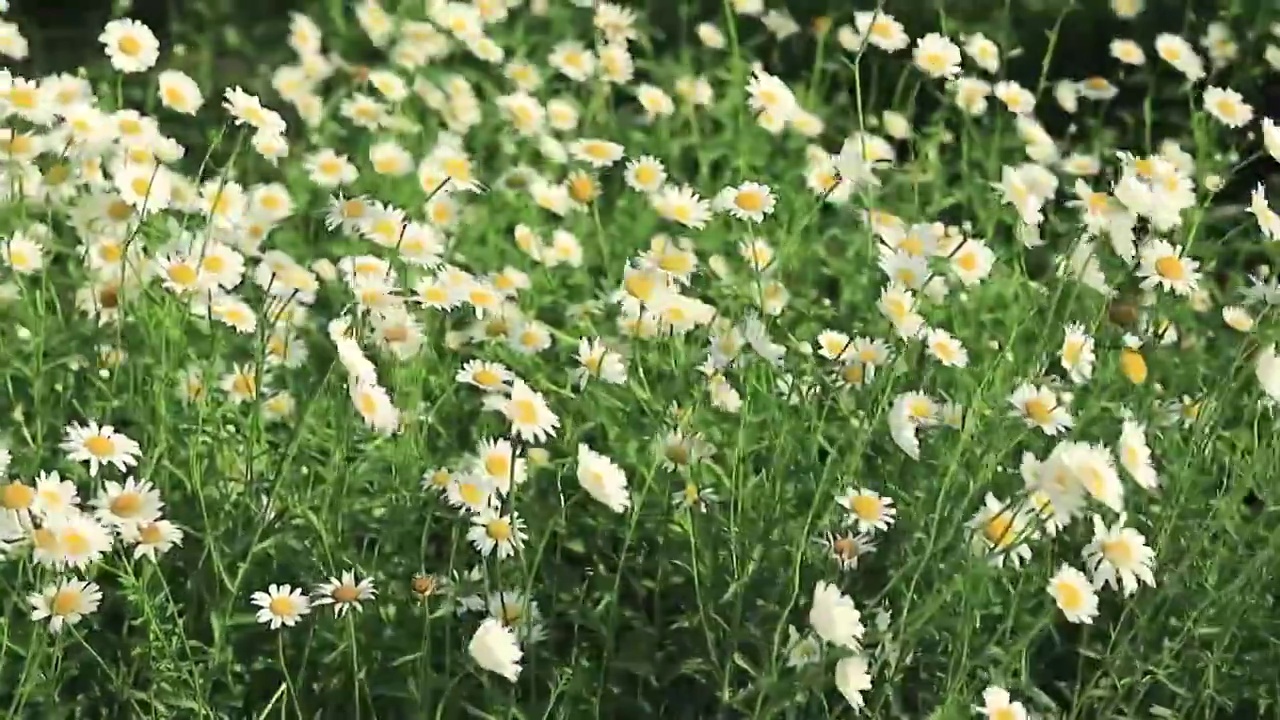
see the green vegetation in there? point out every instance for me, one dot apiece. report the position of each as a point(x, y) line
point(496, 360)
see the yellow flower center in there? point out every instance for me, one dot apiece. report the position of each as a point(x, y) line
point(471, 494)
point(1171, 268)
point(57, 174)
point(24, 98)
point(499, 530)
point(130, 45)
point(99, 446)
point(582, 188)
point(1071, 351)
point(1069, 596)
point(74, 543)
point(367, 404)
point(497, 465)
point(1118, 552)
point(243, 384)
point(346, 593)
point(150, 534)
point(281, 606)
point(1039, 410)
point(512, 613)
point(182, 274)
point(126, 505)
point(214, 264)
point(119, 210)
point(933, 61)
point(867, 507)
point(853, 373)
point(65, 602)
point(640, 285)
point(524, 411)
point(16, 496)
point(140, 185)
point(999, 530)
point(750, 201)
point(1003, 713)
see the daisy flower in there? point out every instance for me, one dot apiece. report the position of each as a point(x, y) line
point(281, 605)
point(130, 45)
point(1119, 557)
point(151, 539)
point(132, 503)
point(1162, 264)
point(493, 531)
point(98, 446)
point(1039, 407)
point(868, 510)
point(531, 420)
point(997, 705)
point(65, 604)
point(488, 376)
point(749, 201)
point(1074, 595)
point(343, 593)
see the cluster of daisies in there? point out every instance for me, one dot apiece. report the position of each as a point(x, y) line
point(44, 520)
point(110, 172)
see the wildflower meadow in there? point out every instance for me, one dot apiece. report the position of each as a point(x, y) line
point(566, 359)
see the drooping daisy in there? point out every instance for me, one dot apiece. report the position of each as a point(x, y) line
point(683, 205)
point(852, 679)
point(1094, 469)
point(54, 497)
point(1135, 455)
point(98, 446)
point(769, 95)
point(1077, 356)
point(946, 348)
point(834, 617)
point(802, 650)
point(603, 479)
point(281, 605)
point(374, 404)
point(494, 648)
point(595, 152)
